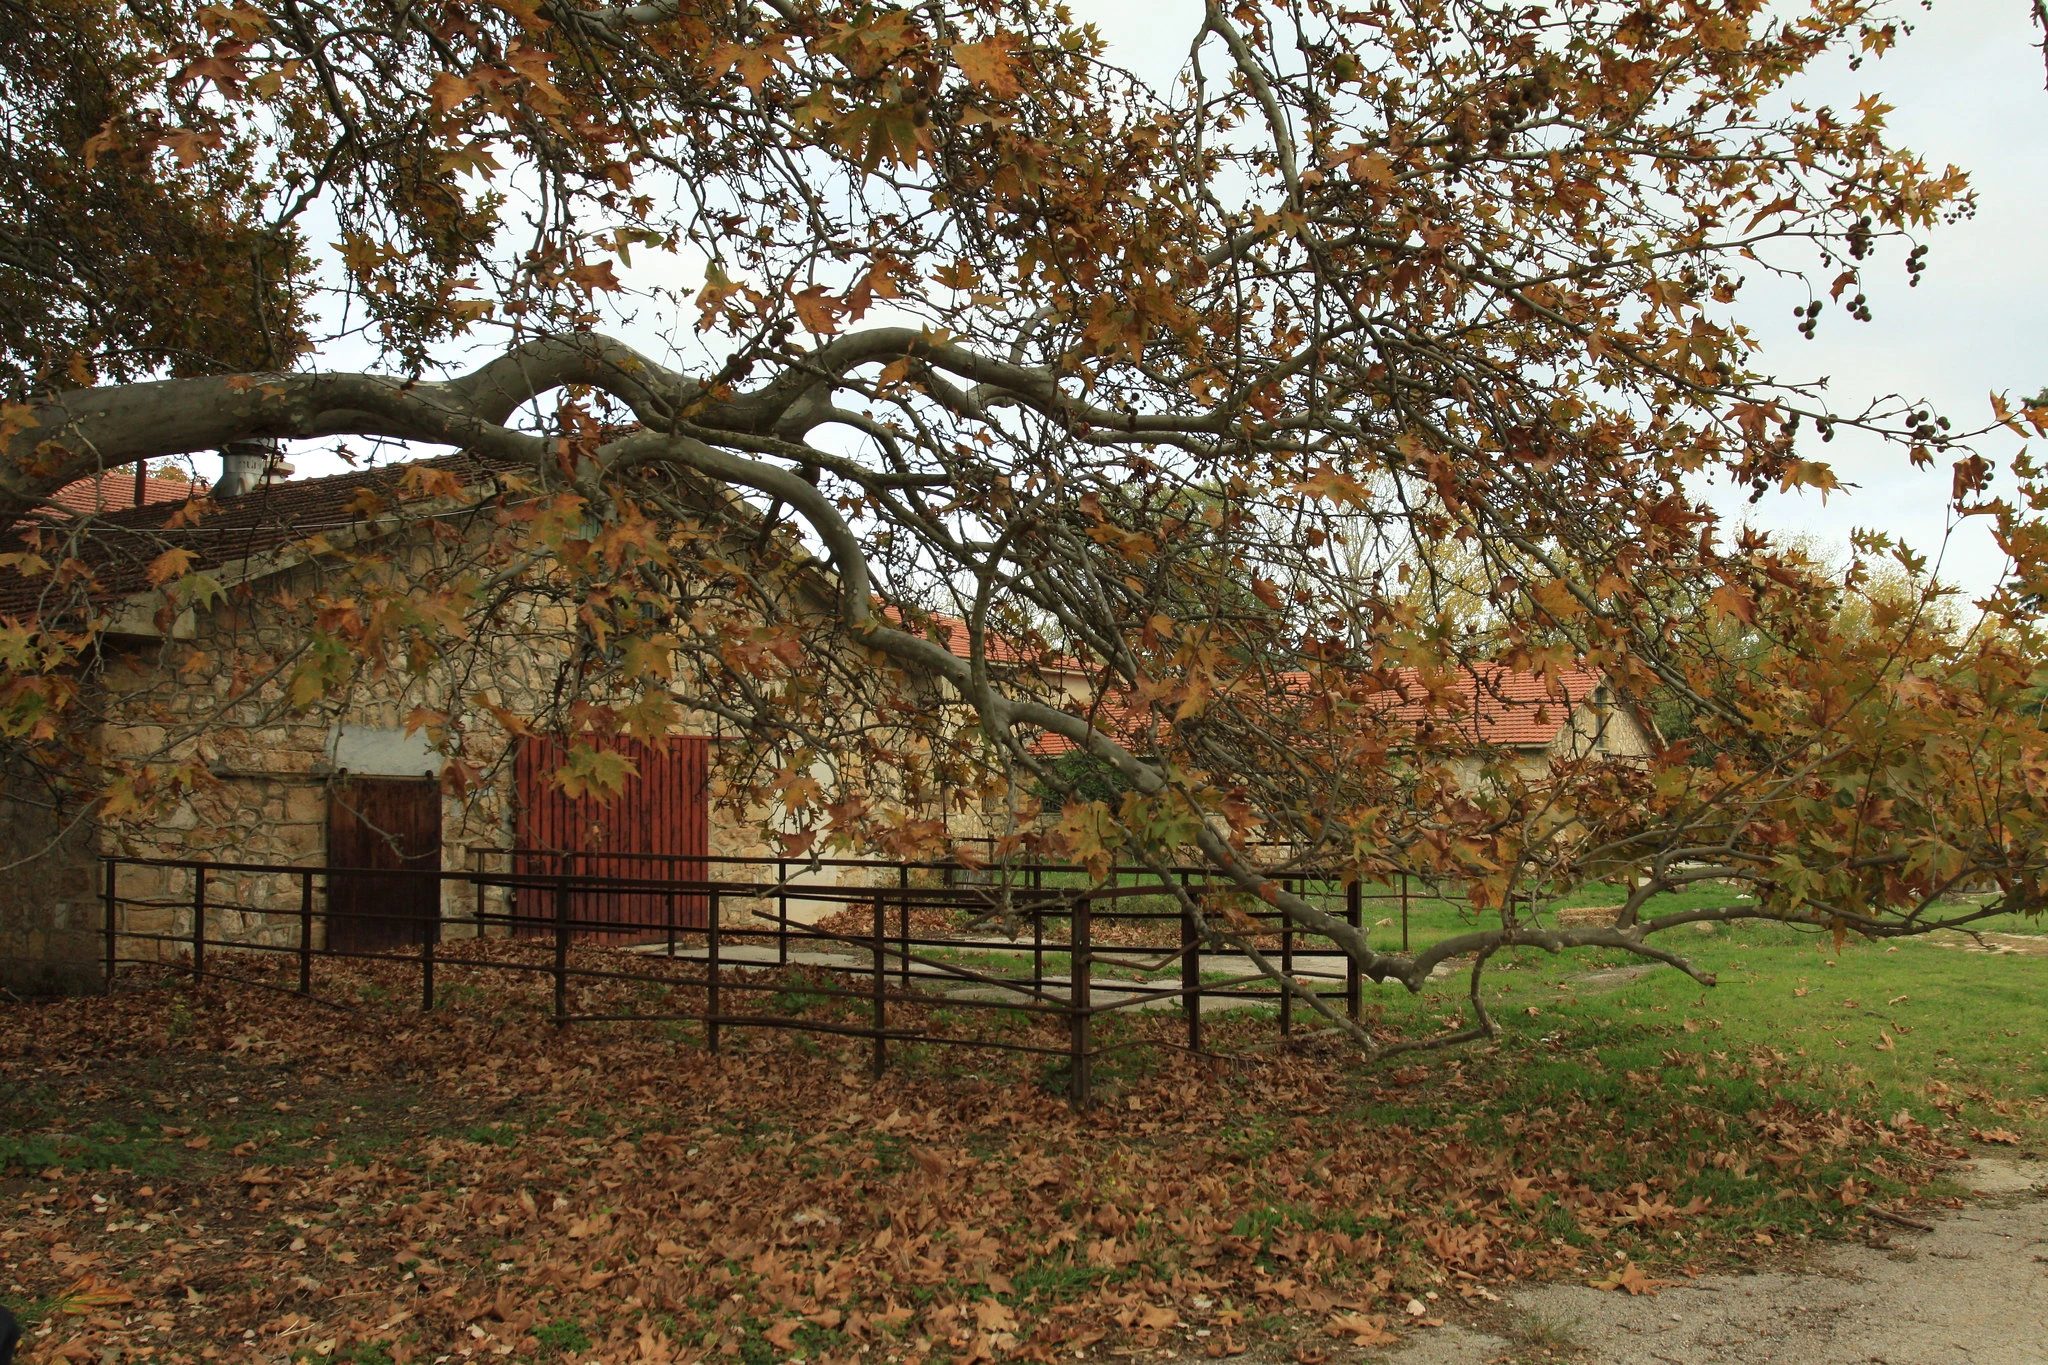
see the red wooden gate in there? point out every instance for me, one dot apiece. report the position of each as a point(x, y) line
point(658, 827)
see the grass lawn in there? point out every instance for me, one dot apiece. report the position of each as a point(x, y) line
point(220, 1172)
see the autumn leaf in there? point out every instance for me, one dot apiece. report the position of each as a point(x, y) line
point(1630, 1279)
point(1732, 601)
point(960, 275)
point(991, 64)
point(172, 563)
point(818, 310)
point(1363, 1329)
point(595, 276)
point(755, 61)
point(2003, 1137)
point(589, 772)
point(447, 90)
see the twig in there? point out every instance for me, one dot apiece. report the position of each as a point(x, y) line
point(1898, 1218)
point(2041, 18)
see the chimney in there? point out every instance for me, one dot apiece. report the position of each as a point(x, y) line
point(246, 465)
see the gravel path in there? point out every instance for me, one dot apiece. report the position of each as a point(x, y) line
point(1972, 1292)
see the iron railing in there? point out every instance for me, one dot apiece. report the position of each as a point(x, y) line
point(884, 974)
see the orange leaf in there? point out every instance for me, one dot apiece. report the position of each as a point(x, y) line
point(818, 311)
point(596, 275)
point(1631, 1279)
point(173, 563)
point(1363, 1329)
point(1734, 602)
point(991, 64)
point(449, 90)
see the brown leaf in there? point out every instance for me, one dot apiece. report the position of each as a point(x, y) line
point(818, 311)
point(1363, 1329)
point(172, 563)
point(1630, 1279)
point(991, 64)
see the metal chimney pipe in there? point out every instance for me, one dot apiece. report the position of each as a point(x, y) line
point(243, 465)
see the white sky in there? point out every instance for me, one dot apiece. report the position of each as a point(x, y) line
point(1967, 88)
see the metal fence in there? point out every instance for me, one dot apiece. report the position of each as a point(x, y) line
point(903, 952)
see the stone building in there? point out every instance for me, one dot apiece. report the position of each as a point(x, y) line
point(1534, 719)
point(193, 691)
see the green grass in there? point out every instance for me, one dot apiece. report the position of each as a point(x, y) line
point(1875, 1021)
point(1899, 1026)
point(562, 1335)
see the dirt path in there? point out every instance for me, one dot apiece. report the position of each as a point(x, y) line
point(1972, 1292)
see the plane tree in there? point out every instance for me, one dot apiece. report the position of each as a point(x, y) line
point(946, 318)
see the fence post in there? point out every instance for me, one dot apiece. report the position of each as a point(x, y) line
point(113, 914)
point(1404, 912)
point(669, 903)
point(1191, 975)
point(903, 922)
point(711, 993)
point(782, 912)
point(1037, 946)
point(562, 952)
point(881, 1057)
point(1354, 914)
point(427, 974)
point(1286, 970)
point(1080, 966)
point(199, 920)
point(306, 933)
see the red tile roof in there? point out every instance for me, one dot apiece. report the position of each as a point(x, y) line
point(1488, 704)
point(115, 491)
point(119, 546)
point(951, 632)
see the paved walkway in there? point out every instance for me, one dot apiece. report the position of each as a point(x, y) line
point(1972, 1292)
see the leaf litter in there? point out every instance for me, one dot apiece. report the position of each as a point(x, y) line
point(480, 1185)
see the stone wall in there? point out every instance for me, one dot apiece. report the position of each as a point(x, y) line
point(50, 909)
point(211, 694)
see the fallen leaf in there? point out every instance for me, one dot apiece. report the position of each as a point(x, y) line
point(1631, 1279)
point(1363, 1329)
point(1158, 1318)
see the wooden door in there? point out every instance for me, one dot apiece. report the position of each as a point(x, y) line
point(390, 826)
point(658, 828)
